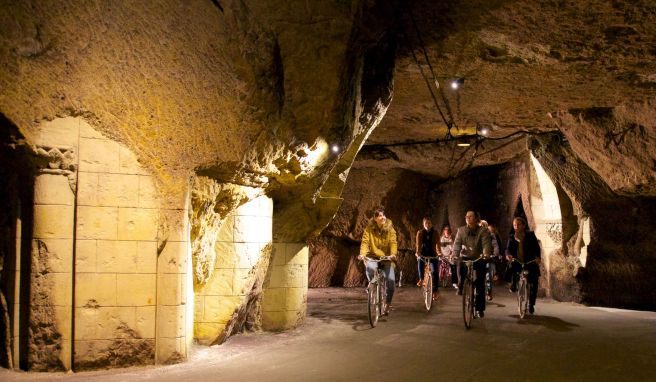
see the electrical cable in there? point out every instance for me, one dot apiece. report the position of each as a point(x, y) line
point(430, 66)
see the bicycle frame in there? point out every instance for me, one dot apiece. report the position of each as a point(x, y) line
point(523, 287)
point(427, 285)
point(445, 273)
point(376, 292)
point(469, 293)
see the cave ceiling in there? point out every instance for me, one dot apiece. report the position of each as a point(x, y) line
point(525, 65)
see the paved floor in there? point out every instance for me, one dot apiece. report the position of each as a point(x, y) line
point(561, 342)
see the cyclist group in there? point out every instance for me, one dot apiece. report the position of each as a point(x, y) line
point(476, 239)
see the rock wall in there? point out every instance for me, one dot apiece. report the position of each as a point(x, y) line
point(179, 106)
point(403, 194)
point(612, 253)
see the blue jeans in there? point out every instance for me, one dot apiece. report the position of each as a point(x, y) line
point(387, 267)
point(433, 269)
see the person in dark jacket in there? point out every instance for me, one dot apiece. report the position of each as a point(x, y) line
point(427, 242)
point(523, 246)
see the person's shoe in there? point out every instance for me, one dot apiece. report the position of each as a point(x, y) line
point(531, 309)
point(420, 283)
point(513, 289)
point(480, 314)
point(489, 297)
point(436, 296)
point(386, 309)
point(455, 286)
point(459, 292)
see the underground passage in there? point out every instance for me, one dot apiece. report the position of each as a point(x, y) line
point(197, 189)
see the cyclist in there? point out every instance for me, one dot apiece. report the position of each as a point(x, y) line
point(378, 240)
point(427, 243)
point(473, 241)
point(446, 251)
point(524, 246)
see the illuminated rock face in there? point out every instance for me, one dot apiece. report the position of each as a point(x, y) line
point(134, 138)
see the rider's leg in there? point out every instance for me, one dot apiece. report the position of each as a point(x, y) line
point(462, 273)
point(533, 278)
point(479, 284)
point(454, 275)
point(420, 269)
point(493, 270)
point(434, 267)
point(388, 268)
point(370, 269)
point(515, 269)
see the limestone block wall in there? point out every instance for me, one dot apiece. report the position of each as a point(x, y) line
point(175, 299)
point(242, 238)
point(116, 256)
point(284, 303)
point(110, 258)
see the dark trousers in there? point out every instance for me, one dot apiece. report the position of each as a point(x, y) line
point(454, 274)
point(533, 278)
point(479, 282)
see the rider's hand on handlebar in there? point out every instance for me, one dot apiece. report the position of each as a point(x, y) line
point(360, 257)
point(417, 254)
point(393, 257)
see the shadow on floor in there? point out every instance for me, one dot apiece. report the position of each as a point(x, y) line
point(552, 323)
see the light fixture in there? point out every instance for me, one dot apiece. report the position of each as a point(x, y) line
point(484, 131)
point(463, 144)
point(334, 148)
point(456, 83)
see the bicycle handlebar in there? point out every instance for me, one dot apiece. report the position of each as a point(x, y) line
point(378, 260)
point(479, 258)
point(430, 257)
point(525, 264)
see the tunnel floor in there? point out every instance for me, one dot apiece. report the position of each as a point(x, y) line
point(561, 342)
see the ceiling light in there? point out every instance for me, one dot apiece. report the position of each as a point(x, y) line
point(464, 144)
point(334, 148)
point(485, 131)
point(456, 83)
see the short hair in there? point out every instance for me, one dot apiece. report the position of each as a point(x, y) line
point(477, 215)
point(521, 219)
point(379, 211)
point(483, 223)
point(427, 218)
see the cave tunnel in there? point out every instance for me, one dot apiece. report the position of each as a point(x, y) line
point(185, 182)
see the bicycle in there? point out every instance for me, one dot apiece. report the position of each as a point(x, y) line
point(445, 273)
point(469, 292)
point(427, 284)
point(523, 287)
point(376, 292)
point(488, 283)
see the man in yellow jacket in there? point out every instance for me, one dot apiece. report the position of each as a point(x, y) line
point(378, 240)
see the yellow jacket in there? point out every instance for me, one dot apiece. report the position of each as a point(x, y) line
point(378, 242)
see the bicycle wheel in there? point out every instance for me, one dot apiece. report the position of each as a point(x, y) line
point(372, 303)
point(468, 302)
point(382, 294)
point(488, 286)
point(522, 297)
point(444, 274)
point(428, 291)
